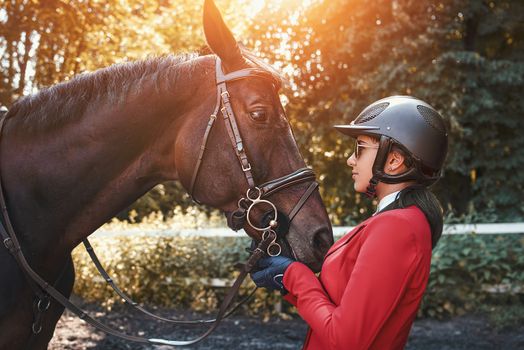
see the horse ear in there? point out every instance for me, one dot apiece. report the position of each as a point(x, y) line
point(219, 37)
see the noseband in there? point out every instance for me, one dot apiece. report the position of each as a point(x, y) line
point(255, 195)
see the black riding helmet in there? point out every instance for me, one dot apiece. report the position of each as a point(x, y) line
point(410, 124)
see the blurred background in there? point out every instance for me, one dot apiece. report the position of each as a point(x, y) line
point(463, 57)
point(466, 58)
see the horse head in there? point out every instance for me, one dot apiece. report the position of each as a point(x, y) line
point(266, 141)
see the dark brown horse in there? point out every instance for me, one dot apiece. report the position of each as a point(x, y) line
point(75, 154)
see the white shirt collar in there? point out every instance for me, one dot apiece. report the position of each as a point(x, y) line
point(386, 200)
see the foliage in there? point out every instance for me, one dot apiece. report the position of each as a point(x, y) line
point(176, 271)
point(182, 218)
point(463, 57)
point(166, 271)
point(169, 199)
point(509, 315)
point(468, 271)
point(45, 42)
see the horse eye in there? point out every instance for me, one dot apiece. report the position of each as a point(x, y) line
point(258, 116)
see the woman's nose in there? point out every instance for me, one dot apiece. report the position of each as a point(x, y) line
point(351, 160)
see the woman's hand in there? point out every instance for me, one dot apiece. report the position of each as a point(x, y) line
point(270, 272)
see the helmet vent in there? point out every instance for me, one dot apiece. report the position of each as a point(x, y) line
point(432, 118)
point(371, 112)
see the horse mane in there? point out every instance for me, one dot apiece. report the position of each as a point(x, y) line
point(54, 106)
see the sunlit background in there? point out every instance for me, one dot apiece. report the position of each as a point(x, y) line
point(465, 58)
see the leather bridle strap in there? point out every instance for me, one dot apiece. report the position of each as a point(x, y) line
point(41, 303)
point(210, 124)
point(258, 253)
point(223, 105)
point(234, 135)
point(237, 218)
point(302, 200)
point(244, 73)
point(296, 177)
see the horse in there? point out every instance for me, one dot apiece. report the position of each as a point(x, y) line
point(77, 153)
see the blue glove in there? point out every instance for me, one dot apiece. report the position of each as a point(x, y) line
point(270, 272)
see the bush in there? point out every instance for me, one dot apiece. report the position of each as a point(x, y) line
point(173, 271)
point(168, 271)
point(470, 270)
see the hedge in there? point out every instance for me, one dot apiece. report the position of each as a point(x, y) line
point(470, 270)
point(174, 271)
point(167, 271)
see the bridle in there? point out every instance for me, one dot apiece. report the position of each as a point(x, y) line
point(255, 196)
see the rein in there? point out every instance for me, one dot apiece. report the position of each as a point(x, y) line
point(12, 244)
point(137, 306)
point(255, 196)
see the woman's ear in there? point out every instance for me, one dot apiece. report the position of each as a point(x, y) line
point(395, 163)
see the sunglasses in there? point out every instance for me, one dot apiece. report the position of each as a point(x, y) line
point(359, 146)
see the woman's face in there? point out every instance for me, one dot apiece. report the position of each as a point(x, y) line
point(362, 166)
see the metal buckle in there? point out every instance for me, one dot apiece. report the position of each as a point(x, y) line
point(45, 307)
point(246, 169)
point(36, 330)
point(8, 244)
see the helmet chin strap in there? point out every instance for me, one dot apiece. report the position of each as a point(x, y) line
point(384, 147)
point(412, 174)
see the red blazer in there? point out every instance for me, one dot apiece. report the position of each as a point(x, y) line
point(370, 286)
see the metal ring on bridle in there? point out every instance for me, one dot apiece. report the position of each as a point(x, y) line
point(259, 194)
point(267, 232)
point(272, 244)
point(241, 202)
point(258, 201)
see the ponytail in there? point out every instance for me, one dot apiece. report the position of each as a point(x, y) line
point(426, 201)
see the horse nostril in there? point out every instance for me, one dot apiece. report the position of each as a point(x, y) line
point(322, 240)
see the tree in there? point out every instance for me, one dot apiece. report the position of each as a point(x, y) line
point(465, 58)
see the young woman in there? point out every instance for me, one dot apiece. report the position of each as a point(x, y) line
point(374, 277)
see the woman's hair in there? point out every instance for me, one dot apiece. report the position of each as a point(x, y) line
point(425, 200)
point(420, 196)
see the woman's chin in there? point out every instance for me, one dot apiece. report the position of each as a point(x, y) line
point(359, 188)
